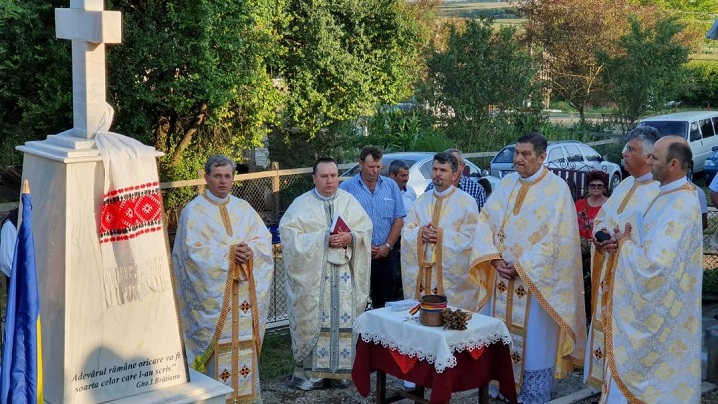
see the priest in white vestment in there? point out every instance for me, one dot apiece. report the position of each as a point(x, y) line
point(223, 269)
point(652, 300)
point(630, 197)
point(526, 260)
point(436, 239)
point(327, 278)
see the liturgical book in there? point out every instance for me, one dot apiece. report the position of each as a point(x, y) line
point(339, 226)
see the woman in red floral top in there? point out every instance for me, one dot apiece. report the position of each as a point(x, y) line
point(587, 209)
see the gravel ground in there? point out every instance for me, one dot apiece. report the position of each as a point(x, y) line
point(278, 391)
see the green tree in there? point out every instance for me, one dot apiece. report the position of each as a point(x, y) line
point(196, 74)
point(35, 72)
point(701, 84)
point(216, 75)
point(344, 57)
point(481, 86)
point(647, 69)
point(568, 32)
point(190, 77)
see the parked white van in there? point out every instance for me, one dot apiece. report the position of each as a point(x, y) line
point(698, 127)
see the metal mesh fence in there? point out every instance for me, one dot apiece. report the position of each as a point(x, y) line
point(710, 252)
point(270, 197)
point(271, 193)
point(278, 310)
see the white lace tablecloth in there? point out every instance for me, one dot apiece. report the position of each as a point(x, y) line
point(401, 332)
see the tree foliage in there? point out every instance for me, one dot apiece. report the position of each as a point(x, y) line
point(569, 32)
point(36, 91)
point(647, 69)
point(195, 77)
point(196, 73)
point(481, 85)
point(343, 58)
point(701, 87)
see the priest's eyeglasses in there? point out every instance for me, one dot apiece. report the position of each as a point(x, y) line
point(595, 186)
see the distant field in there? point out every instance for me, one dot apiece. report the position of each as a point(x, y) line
point(497, 9)
point(704, 57)
point(510, 21)
point(476, 5)
point(503, 12)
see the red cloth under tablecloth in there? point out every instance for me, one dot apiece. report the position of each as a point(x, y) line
point(469, 373)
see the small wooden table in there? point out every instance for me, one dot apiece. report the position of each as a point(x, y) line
point(382, 337)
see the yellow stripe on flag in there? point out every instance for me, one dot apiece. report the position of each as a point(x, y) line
point(40, 394)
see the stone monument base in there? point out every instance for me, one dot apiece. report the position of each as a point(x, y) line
point(200, 389)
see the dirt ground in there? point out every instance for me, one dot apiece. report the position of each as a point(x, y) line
point(278, 391)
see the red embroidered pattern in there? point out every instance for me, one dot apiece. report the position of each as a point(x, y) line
point(476, 352)
point(405, 362)
point(245, 371)
point(130, 212)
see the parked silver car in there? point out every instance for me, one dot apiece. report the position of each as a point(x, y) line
point(570, 154)
point(420, 164)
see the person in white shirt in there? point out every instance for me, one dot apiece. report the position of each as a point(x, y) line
point(399, 172)
point(703, 203)
point(8, 235)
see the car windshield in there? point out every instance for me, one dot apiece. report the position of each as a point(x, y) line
point(385, 163)
point(506, 155)
point(668, 127)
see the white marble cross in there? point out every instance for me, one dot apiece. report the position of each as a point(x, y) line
point(89, 27)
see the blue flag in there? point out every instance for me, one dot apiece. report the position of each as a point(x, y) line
point(21, 373)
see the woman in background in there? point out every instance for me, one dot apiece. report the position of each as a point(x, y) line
point(587, 209)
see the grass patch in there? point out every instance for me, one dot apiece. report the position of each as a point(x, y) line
point(276, 360)
point(710, 281)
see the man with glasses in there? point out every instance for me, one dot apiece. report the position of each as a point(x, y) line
point(463, 182)
point(632, 195)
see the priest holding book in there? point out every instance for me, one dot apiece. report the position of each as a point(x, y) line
point(436, 239)
point(326, 243)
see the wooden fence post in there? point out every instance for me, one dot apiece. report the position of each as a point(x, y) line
point(275, 190)
point(200, 188)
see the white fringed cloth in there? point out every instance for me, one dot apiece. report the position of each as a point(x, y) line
point(401, 332)
point(132, 243)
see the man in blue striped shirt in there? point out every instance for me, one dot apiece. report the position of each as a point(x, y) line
point(381, 199)
point(464, 183)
